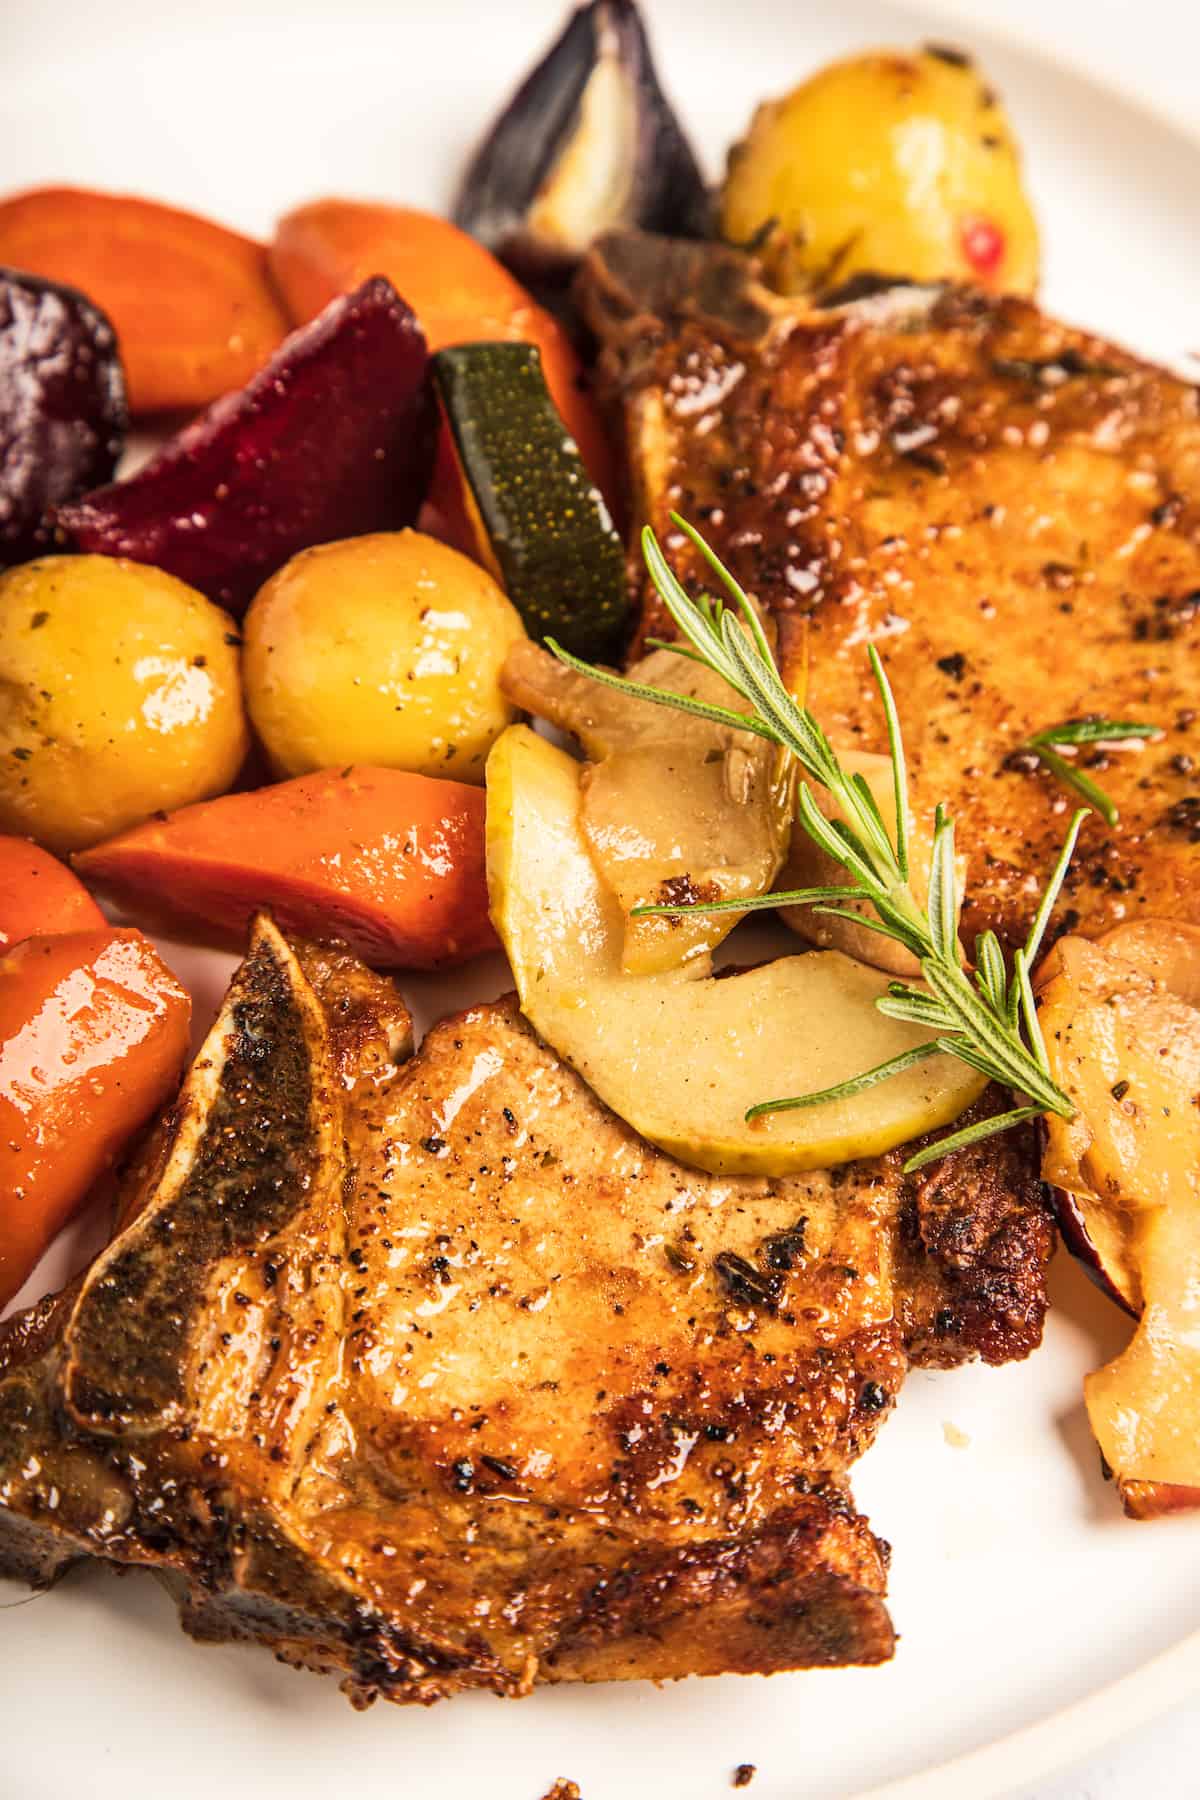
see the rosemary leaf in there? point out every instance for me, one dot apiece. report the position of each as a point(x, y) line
point(1095, 730)
point(1029, 1011)
point(971, 1134)
point(989, 969)
point(836, 844)
point(845, 1090)
point(916, 1009)
point(1053, 888)
point(753, 903)
point(872, 817)
point(731, 586)
point(638, 690)
point(677, 650)
point(943, 899)
point(1007, 1058)
point(1074, 778)
point(857, 918)
point(1091, 729)
point(896, 751)
point(988, 1021)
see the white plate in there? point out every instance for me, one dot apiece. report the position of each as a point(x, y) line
point(1020, 1592)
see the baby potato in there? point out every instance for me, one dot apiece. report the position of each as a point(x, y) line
point(888, 164)
point(383, 649)
point(119, 695)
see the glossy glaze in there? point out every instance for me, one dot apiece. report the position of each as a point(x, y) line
point(390, 863)
point(332, 437)
point(122, 695)
point(93, 1032)
point(38, 893)
point(998, 502)
point(674, 807)
point(384, 649)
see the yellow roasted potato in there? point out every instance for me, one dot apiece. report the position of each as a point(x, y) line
point(888, 164)
point(383, 649)
point(119, 695)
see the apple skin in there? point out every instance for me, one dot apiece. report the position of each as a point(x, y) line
point(1141, 1500)
point(1075, 1235)
point(1156, 1499)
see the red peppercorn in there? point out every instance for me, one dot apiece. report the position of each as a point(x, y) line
point(983, 246)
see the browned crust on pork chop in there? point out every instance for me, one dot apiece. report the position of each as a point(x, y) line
point(1007, 507)
point(447, 1379)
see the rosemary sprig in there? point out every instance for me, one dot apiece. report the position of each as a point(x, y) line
point(987, 1019)
point(1090, 730)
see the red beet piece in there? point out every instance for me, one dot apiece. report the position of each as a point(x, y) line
point(62, 406)
point(333, 438)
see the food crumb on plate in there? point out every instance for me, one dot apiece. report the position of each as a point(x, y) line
point(563, 1790)
point(744, 1774)
point(957, 1440)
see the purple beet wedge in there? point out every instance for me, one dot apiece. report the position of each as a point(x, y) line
point(62, 407)
point(332, 439)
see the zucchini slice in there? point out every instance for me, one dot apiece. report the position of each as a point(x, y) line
point(541, 522)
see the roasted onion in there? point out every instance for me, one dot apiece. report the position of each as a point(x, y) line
point(588, 142)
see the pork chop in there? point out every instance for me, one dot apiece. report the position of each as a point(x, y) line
point(1007, 507)
point(430, 1372)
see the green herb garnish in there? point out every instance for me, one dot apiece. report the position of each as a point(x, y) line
point(988, 1020)
point(1090, 730)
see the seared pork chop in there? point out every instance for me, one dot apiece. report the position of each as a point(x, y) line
point(432, 1373)
point(1008, 508)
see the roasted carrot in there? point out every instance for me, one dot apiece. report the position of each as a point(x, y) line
point(459, 292)
point(93, 1035)
point(38, 893)
point(193, 305)
point(389, 862)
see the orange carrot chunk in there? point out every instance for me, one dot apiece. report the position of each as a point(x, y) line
point(460, 294)
point(38, 893)
point(93, 1036)
point(192, 303)
point(389, 862)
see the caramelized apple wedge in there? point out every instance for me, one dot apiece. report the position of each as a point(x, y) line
point(1121, 1020)
point(674, 808)
point(333, 439)
point(680, 1055)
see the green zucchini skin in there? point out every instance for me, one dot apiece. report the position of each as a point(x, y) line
point(560, 558)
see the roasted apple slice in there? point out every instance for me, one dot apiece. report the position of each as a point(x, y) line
point(674, 808)
point(62, 406)
point(1121, 1020)
point(680, 1056)
point(1096, 1232)
point(334, 438)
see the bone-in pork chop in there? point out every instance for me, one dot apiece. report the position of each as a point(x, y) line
point(431, 1373)
point(1008, 508)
